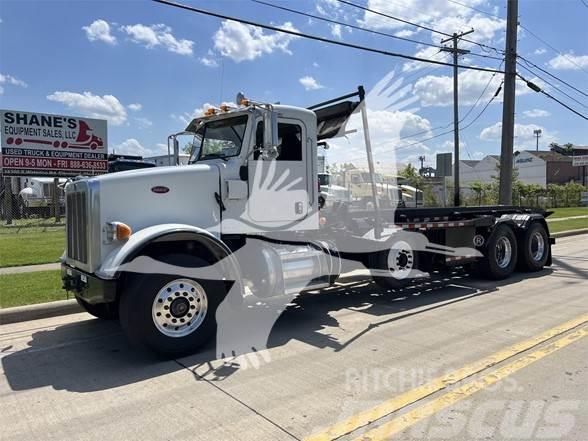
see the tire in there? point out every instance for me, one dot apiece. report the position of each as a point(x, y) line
point(500, 256)
point(104, 311)
point(535, 248)
point(400, 259)
point(146, 313)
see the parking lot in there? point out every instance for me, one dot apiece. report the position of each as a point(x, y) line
point(502, 360)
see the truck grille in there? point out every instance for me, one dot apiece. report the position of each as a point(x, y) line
point(77, 226)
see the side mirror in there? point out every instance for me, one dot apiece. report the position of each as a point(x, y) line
point(270, 135)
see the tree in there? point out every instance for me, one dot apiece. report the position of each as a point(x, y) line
point(413, 177)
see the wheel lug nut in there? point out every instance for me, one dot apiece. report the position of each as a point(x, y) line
point(192, 307)
point(167, 316)
point(169, 299)
point(158, 314)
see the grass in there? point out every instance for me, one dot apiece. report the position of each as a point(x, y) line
point(568, 212)
point(566, 225)
point(31, 246)
point(29, 288)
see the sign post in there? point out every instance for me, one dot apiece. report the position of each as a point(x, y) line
point(40, 144)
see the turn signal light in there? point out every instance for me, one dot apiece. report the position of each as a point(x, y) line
point(224, 108)
point(210, 112)
point(244, 102)
point(123, 231)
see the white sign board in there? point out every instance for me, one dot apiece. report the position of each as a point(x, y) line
point(580, 160)
point(40, 144)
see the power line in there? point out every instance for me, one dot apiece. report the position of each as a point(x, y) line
point(553, 48)
point(402, 20)
point(475, 9)
point(328, 20)
point(482, 94)
point(317, 38)
point(360, 28)
point(536, 88)
point(551, 75)
point(553, 85)
point(584, 2)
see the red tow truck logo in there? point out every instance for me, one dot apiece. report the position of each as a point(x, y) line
point(84, 140)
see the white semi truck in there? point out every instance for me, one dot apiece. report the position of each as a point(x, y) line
point(246, 208)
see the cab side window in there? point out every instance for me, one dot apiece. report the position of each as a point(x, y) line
point(289, 138)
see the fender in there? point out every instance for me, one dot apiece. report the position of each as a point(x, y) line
point(110, 268)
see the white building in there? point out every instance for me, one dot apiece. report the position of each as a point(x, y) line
point(164, 160)
point(533, 167)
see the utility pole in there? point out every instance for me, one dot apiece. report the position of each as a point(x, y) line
point(508, 107)
point(456, 52)
point(422, 159)
point(537, 133)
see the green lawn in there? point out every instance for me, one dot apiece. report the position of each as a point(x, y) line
point(568, 212)
point(566, 225)
point(26, 247)
point(29, 288)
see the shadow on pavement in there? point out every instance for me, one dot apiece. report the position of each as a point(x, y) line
point(94, 355)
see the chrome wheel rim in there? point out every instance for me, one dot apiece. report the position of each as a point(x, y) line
point(503, 252)
point(537, 246)
point(179, 308)
point(401, 260)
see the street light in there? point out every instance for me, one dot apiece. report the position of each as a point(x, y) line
point(537, 133)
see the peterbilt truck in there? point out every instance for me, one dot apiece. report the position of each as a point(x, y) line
point(160, 249)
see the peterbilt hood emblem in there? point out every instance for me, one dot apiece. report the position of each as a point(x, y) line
point(159, 189)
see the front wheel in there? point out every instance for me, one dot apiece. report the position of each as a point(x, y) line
point(171, 314)
point(395, 267)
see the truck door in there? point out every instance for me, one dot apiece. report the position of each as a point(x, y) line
point(278, 189)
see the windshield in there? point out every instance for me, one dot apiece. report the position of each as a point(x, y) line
point(219, 139)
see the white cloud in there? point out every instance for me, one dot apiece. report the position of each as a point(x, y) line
point(135, 107)
point(524, 136)
point(429, 53)
point(438, 90)
point(404, 33)
point(540, 51)
point(143, 123)
point(536, 113)
point(95, 106)
point(208, 62)
point(569, 61)
point(315, 64)
point(13, 81)
point(242, 42)
point(158, 34)
point(335, 30)
point(310, 83)
point(133, 147)
point(99, 30)
point(186, 117)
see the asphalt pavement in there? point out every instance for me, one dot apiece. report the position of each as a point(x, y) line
point(456, 358)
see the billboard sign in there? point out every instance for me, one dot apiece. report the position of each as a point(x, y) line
point(40, 144)
point(444, 165)
point(580, 160)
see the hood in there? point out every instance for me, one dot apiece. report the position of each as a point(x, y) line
point(153, 196)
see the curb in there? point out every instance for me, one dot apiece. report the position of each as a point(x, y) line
point(570, 233)
point(65, 307)
point(39, 311)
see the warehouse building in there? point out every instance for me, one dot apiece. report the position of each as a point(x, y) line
point(534, 167)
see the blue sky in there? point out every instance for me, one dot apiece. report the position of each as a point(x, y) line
point(148, 68)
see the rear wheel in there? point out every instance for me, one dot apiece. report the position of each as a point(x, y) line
point(172, 314)
point(534, 248)
point(500, 257)
point(104, 311)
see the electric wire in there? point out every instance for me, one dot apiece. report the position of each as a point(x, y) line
point(553, 85)
point(553, 48)
point(317, 38)
point(382, 14)
point(551, 75)
point(538, 89)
